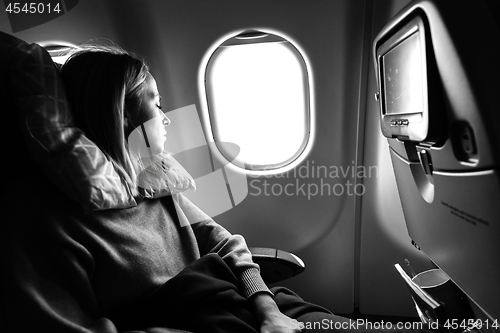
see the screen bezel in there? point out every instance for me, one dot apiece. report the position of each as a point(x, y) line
point(413, 126)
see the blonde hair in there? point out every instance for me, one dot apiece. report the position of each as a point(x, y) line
point(103, 84)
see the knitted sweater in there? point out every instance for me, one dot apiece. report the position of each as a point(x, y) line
point(63, 268)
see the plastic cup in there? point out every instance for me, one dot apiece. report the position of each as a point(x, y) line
point(439, 285)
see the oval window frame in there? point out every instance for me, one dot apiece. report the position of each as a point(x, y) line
point(250, 37)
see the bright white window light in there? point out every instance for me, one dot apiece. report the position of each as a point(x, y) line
point(258, 98)
point(58, 50)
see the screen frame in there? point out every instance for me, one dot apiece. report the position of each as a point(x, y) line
point(412, 126)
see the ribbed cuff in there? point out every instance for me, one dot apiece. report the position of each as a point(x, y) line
point(252, 282)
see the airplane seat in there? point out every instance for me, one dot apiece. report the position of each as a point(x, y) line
point(42, 147)
point(437, 67)
point(17, 164)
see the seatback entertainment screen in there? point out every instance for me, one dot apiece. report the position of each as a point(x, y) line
point(404, 87)
point(402, 76)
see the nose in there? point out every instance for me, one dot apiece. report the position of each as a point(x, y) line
point(166, 121)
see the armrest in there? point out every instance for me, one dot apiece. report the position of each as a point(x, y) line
point(276, 265)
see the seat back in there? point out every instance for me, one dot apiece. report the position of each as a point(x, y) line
point(16, 160)
point(437, 69)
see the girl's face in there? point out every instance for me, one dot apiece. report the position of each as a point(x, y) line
point(152, 118)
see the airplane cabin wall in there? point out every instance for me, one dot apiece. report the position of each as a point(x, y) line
point(348, 242)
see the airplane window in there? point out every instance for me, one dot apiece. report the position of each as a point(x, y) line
point(59, 51)
point(257, 90)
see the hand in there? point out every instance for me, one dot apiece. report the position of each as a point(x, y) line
point(270, 317)
point(279, 323)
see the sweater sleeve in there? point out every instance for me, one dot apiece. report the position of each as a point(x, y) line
point(213, 238)
point(46, 281)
